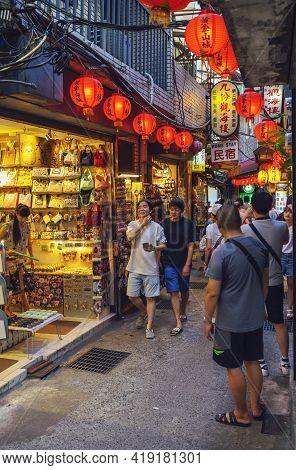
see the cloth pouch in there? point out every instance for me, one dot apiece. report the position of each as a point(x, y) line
point(10, 200)
point(57, 173)
point(71, 186)
point(40, 173)
point(40, 186)
point(25, 199)
point(55, 187)
point(39, 202)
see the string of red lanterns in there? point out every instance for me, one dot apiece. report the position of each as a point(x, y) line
point(265, 131)
point(165, 135)
point(224, 62)
point(249, 104)
point(117, 108)
point(86, 92)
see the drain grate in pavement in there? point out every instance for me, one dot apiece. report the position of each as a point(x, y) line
point(269, 326)
point(275, 424)
point(164, 304)
point(98, 360)
point(197, 285)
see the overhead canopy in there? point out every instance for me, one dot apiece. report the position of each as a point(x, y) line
point(262, 35)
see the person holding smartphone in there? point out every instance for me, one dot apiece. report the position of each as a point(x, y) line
point(147, 239)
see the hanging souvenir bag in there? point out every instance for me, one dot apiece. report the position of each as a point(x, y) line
point(72, 172)
point(93, 216)
point(39, 202)
point(71, 186)
point(55, 187)
point(102, 180)
point(40, 173)
point(30, 153)
point(40, 186)
point(87, 158)
point(101, 157)
point(11, 178)
point(10, 200)
point(57, 173)
point(24, 177)
point(9, 155)
point(87, 182)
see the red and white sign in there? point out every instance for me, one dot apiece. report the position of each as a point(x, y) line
point(273, 100)
point(225, 151)
point(224, 117)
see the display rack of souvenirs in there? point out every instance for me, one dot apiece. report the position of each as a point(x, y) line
point(124, 214)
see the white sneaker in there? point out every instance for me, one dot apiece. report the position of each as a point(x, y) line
point(141, 320)
point(285, 366)
point(264, 368)
point(149, 334)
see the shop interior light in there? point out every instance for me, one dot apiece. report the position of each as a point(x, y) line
point(128, 175)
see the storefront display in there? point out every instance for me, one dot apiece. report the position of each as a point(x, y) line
point(66, 182)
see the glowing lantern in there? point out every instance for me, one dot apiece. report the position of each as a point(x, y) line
point(160, 10)
point(265, 130)
point(86, 92)
point(249, 104)
point(117, 108)
point(184, 140)
point(224, 62)
point(206, 34)
point(144, 124)
point(262, 177)
point(274, 175)
point(165, 135)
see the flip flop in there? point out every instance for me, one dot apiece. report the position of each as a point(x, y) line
point(222, 418)
point(263, 413)
point(176, 331)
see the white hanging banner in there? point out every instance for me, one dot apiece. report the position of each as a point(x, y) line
point(225, 151)
point(224, 117)
point(199, 161)
point(273, 100)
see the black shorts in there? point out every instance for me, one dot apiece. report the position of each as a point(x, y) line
point(275, 304)
point(232, 349)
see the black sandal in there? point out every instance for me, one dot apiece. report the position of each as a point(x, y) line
point(263, 413)
point(183, 318)
point(222, 418)
point(176, 331)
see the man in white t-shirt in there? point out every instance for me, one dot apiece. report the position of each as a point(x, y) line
point(148, 240)
point(213, 234)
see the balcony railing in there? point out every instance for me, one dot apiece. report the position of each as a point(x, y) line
point(144, 51)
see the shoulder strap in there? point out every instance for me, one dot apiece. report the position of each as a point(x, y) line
point(262, 239)
point(249, 257)
point(218, 242)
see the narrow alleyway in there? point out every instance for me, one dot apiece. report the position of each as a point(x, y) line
point(164, 396)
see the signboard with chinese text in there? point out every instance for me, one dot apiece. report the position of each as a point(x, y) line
point(280, 200)
point(273, 100)
point(225, 151)
point(199, 161)
point(224, 117)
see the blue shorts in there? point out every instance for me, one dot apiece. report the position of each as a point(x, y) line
point(149, 285)
point(287, 264)
point(174, 280)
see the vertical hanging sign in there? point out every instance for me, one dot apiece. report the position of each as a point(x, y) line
point(273, 100)
point(224, 117)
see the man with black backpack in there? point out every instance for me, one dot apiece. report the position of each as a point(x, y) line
point(237, 287)
point(273, 235)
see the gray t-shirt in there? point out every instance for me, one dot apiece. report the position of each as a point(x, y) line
point(241, 306)
point(276, 234)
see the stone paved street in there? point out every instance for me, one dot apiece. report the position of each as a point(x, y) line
point(163, 396)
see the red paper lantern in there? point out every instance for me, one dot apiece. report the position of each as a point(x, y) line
point(184, 140)
point(224, 62)
point(144, 124)
point(249, 104)
point(117, 108)
point(86, 92)
point(160, 10)
point(206, 34)
point(264, 131)
point(165, 135)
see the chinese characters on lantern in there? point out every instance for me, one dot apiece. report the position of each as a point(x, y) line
point(224, 152)
point(199, 162)
point(273, 100)
point(224, 117)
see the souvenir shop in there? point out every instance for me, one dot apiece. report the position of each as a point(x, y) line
point(66, 180)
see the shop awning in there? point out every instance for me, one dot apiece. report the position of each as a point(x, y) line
point(262, 34)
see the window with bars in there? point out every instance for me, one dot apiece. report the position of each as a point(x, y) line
point(145, 51)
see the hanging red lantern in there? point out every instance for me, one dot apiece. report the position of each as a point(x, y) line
point(117, 108)
point(206, 34)
point(184, 140)
point(160, 10)
point(249, 104)
point(165, 135)
point(265, 130)
point(224, 62)
point(86, 92)
point(144, 124)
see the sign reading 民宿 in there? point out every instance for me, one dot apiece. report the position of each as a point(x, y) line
point(225, 151)
point(273, 100)
point(199, 162)
point(224, 117)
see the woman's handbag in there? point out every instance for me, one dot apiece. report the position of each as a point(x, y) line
point(87, 182)
point(93, 216)
point(39, 202)
point(87, 158)
point(101, 158)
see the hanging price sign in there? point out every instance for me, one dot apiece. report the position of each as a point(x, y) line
point(224, 117)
